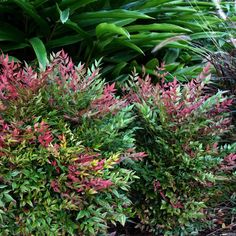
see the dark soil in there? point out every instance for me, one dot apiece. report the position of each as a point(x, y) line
point(130, 230)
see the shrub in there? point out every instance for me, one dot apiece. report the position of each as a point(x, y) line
point(180, 130)
point(63, 136)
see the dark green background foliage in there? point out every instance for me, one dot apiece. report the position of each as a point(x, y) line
point(122, 32)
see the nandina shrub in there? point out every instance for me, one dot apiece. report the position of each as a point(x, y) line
point(180, 130)
point(63, 136)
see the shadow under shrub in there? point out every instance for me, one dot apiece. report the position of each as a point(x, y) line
point(180, 130)
point(63, 133)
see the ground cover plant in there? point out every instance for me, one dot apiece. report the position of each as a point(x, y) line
point(181, 128)
point(63, 137)
point(123, 32)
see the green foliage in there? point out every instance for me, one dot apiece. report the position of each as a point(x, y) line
point(62, 140)
point(180, 130)
point(121, 32)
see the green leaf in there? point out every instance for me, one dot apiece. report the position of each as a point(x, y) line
point(147, 36)
point(38, 3)
point(30, 203)
point(8, 197)
point(171, 40)
point(171, 55)
point(30, 10)
point(107, 29)
point(75, 4)
point(116, 71)
point(194, 26)
point(152, 64)
point(122, 219)
point(177, 9)
point(1, 204)
point(81, 214)
point(14, 46)
point(40, 51)
point(10, 33)
point(15, 173)
point(192, 3)
point(117, 14)
point(172, 66)
point(158, 27)
point(63, 41)
point(64, 15)
point(91, 230)
point(2, 212)
point(14, 185)
point(211, 35)
point(72, 25)
point(154, 3)
point(130, 45)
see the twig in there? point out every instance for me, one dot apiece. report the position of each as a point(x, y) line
point(218, 230)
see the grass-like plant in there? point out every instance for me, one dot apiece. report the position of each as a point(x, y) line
point(123, 32)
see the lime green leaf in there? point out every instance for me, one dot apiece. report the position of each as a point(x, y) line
point(40, 51)
point(158, 27)
point(117, 14)
point(106, 28)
